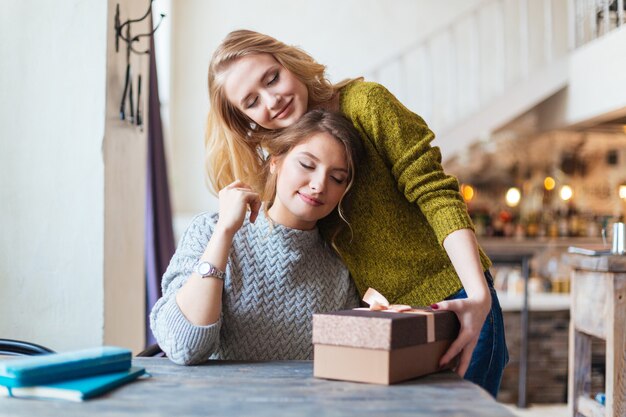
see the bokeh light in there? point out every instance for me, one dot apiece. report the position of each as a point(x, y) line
point(566, 192)
point(513, 197)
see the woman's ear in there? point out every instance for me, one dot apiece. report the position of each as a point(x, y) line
point(272, 165)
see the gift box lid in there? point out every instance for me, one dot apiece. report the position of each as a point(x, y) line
point(384, 329)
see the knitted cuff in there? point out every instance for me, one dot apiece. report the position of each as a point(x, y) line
point(449, 219)
point(184, 342)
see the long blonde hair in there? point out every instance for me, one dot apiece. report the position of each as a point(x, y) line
point(314, 122)
point(233, 148)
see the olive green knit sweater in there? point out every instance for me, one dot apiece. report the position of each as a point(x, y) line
point(403, 205)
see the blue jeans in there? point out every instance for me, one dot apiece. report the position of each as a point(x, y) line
point(490, 355)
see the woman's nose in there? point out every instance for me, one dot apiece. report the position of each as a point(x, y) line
point(317, 184)
point(273, 100)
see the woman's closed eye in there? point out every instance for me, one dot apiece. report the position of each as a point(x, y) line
point(251, 103)
point(274, 78)
point(338, 180)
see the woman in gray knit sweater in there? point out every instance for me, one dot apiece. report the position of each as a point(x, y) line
point(244, 282)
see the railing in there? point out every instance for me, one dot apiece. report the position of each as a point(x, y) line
point(458, 70)
point(595, 18)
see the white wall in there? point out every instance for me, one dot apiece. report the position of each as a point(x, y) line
point(72, 177)
point(597, 89)
point(52, 104)
point(349, 36)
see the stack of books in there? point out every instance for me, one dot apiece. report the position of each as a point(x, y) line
point(73, 376)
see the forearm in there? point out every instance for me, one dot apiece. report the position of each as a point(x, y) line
point(462, 249)
point(182, 342)
point(200, 299)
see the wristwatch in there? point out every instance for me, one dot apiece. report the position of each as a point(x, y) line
point(208, 270)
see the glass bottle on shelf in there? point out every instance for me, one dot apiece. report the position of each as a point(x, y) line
point(593, 229)
point(563, 225)
point(553, 226)
point(532, 227)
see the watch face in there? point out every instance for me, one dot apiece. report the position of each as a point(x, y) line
point(204, 268)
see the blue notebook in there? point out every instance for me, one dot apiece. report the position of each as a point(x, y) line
point(76, 389)
point(37, 370)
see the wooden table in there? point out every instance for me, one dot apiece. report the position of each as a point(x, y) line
point(270, 389)
point(598, 309)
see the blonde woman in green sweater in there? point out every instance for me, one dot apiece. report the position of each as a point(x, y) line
point(411, 237)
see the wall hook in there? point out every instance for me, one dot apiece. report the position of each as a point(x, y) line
point(143, 35)
point(123, 32)
point(120, 26)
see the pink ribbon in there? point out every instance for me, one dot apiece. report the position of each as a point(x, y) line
point(378, 302)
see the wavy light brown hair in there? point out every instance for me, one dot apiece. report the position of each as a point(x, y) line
point(232, 147)
point(312, 123)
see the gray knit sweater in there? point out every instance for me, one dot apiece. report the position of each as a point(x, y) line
point(276, 279)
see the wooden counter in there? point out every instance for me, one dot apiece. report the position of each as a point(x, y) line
point(598, 310)
point(534, 245)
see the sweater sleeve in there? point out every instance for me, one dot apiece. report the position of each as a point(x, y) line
point(183, 342)
point(403, 139)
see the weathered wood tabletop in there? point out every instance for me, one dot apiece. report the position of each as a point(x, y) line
point(267, 389)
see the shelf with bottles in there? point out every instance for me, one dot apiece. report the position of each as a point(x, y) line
point(547, 224)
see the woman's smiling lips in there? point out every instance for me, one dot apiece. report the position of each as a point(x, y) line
point(310, 200)
point(285, 111)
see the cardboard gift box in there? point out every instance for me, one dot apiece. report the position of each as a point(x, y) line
point(381, 347)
